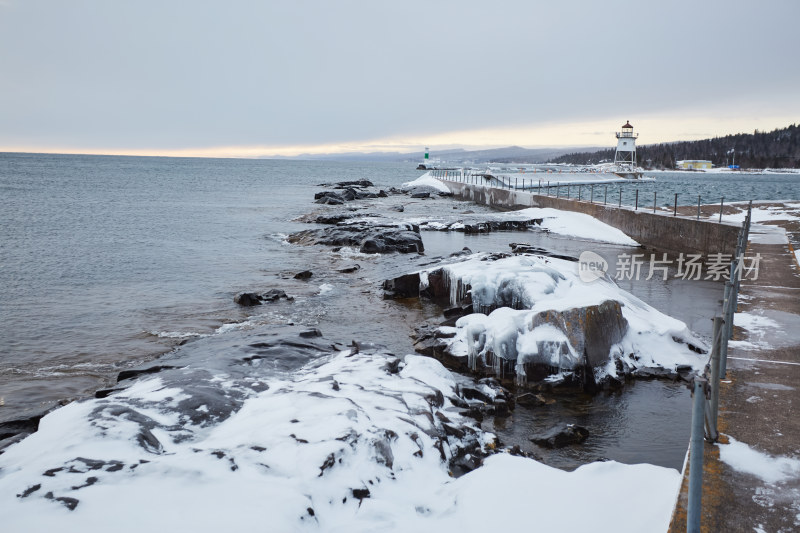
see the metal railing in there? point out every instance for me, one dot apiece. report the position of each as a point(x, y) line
point(705, 387)
point(550, 188)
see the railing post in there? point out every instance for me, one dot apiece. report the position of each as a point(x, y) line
point(654, 201)
point(580, 188)
point(620, 196)
point(728, 317)
point(696, 457)
point(712, 410)
point(675, 209)
point(721, 201)
point(605, 195)
point(636, 207)
point(568, 196)
point(591, 200)
point(698, 207)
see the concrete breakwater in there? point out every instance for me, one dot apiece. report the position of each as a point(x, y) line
point(659, 230)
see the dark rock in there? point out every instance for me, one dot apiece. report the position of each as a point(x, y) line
point(421, 195)
point(473, 393)
point(464, 251)
point(360, 493)
point(524, 248)
point(30, 490)
point(305, 274)
point(331, 200)
point(136, 372)
point(310, 333)
point(357, 183)
point(247, 299)
point(657, 372)
point(430, 346)
point(382, 194)
point(530, 399)
point(406, 286)
point(559, 437)
point(399, 208)
point(350, 269)
point(369, 237)
point(273, 295)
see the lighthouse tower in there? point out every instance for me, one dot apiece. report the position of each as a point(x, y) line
point(625, 156)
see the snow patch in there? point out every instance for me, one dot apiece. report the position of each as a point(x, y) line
point(769, 469)
point(426, 180)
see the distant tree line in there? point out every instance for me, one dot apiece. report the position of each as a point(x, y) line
point(775, 149)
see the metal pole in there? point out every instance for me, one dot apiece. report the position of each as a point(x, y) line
point(654, 201)
point(721, 201)
point(515, 184)
point(698, 207)
point(568, 190)
point(728, 317)
point(675, 210)
point(591, 200)
point(636, 208)
point(696, 458)
point(620, 196)
point(605, 195)
point(713, 404)
point(580, 187)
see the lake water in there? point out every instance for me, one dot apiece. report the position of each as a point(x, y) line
point(107, 262)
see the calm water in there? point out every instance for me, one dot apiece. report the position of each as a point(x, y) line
point(106, 262)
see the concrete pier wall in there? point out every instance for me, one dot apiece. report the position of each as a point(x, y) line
point(660, 231)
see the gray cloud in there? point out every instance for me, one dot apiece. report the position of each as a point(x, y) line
point(185, 74)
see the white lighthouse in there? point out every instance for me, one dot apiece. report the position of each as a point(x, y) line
point(625, 156)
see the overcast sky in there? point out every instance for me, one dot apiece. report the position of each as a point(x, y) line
point(282, 77)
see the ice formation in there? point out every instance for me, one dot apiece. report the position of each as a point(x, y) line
point(536, 310)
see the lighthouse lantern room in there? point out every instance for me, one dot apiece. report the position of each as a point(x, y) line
point(625, 156)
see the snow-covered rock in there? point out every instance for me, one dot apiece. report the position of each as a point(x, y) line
point(535, 314)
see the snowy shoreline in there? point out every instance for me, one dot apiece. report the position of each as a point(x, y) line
point(355, 439)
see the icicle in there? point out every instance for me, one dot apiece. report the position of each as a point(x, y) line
point(521, 378)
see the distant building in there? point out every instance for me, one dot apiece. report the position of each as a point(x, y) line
point(693, 164)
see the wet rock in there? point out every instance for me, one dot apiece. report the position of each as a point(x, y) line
point(473, 393)
point(421, 195)
point(356, 183)
point(405, 286)
point(392, 241)
point(247, 299)
point(305, 274)
point(658, 372)
point(368, 237)
point(331, 200)
point(137, 372)
point(398, 208)
point(310, 333)
point(559, 437)
point(273, 295)
point(530, 399)
point(525, 248)
point(350, 269)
